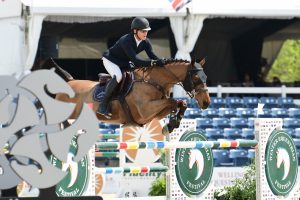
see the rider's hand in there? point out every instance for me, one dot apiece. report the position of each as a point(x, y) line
point(159, 62)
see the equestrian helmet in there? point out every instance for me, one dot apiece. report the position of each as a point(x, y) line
point(140, 23)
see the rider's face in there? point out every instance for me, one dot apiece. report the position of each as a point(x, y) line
point(142, 34)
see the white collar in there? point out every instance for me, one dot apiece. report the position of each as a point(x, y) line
point(137, 41)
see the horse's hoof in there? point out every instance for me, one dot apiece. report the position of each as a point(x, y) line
point(165, 130)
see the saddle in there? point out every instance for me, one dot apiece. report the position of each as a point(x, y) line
point(123, 88)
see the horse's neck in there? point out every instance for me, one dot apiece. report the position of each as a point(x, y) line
point(166, 76)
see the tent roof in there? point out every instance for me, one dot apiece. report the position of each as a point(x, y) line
point(158, 8)
point(248, 8)
point(103, 8)
point(10, 8)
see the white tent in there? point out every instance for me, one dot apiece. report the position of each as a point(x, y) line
point(186, 29)
point(12, 37)
point(248, 8)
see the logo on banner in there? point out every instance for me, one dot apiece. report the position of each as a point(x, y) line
point(76, 180)
point(149, 132)
point(281, 163)
point(194, 167)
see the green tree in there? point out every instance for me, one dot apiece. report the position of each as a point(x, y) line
point(287, 64)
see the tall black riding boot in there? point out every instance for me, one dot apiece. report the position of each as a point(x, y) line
point(103, 108)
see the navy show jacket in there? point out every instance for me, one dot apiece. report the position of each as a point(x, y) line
point(126, 49)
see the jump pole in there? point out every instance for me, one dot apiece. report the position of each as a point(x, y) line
point(176, 145)
point(131, 170)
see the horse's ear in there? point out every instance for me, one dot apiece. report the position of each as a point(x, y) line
point(203, 61)
point(193, 61)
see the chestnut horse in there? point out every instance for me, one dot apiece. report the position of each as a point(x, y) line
point(149, 96)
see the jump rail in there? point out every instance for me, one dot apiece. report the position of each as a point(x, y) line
point(131, 170)
point(176, 145)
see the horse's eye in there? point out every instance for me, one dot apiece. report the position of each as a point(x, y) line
point(196, 77)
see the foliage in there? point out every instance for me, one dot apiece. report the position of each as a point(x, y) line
point(158, 187)
point(242, 189)
point(287, 64)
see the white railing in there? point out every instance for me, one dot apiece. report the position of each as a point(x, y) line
point(220, 90)
point(283, 90)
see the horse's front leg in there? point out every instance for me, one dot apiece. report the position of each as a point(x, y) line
point(182, 105)
point(175, 117)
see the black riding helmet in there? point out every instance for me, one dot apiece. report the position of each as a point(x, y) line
point(140, 23)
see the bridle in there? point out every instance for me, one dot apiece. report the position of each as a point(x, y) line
point(191, 87)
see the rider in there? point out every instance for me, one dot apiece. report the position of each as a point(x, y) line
point(125, 50)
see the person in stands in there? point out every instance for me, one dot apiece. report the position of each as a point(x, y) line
point(124, 51)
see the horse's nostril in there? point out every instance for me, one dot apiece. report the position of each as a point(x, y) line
point(205, 104)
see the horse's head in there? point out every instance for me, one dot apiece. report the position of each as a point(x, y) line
point(195, 84)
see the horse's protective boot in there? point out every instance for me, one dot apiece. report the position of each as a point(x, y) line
point(104, 106)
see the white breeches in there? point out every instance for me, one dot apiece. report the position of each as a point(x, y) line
point(112, 69)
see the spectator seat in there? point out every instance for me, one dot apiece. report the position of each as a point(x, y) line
point(221, 122)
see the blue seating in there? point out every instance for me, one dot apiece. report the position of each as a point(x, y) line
point(238, 122)
point(244, 112)
point(221, 157)
point(234, 102)
point(297, 143)
point(192, 103)
point(203, 123)
point(251, 121)
point(267, 113)
point(294, 112)
point(102, 125)
point(117, 131)
point(239, 156)
point(290, 131)
point(248, 133)
point(232, 133)
point(227, 112)
point(192, 113)
point(279, 112)
point(291, 122)
point(251, 155)
point(217, 102)
point(250, 102)
point(112, 126)
point(297, 132)
point(214, 133)
point(298, 154)
point(270, 102)
point(106, 131)
point(286, 102)
point(210, 112)
point(221, 122)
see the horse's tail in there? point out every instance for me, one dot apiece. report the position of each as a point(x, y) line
point(62, 73)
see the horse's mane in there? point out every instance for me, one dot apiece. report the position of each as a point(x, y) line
point(172, 61)
point(169, 61)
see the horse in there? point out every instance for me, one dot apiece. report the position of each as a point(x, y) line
point(148, 96)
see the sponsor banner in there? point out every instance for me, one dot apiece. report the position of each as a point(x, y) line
point(224, 176)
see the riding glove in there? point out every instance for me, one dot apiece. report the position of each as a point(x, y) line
point(159, 62)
